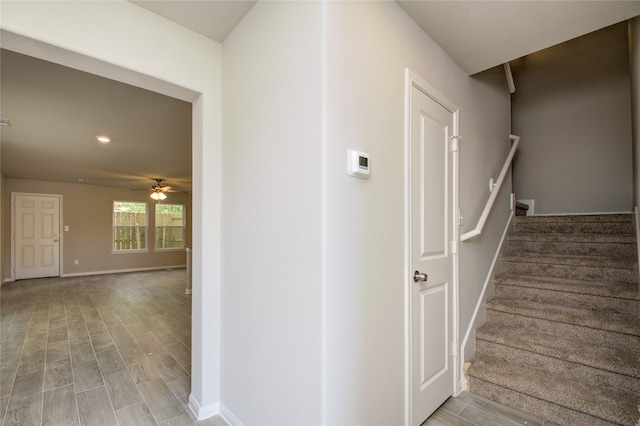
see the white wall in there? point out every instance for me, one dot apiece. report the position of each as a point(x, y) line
point(313, 315)
point(368, 47)
point(120, 40)
point(313, 275)
point(271, 240)
point(572, 110)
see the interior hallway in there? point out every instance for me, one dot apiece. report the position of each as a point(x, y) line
point(115, 350)
point(97, 350)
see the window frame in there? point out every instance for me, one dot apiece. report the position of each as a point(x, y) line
point(183, 227)
point(145, 227)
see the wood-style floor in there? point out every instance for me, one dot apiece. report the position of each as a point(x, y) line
point(99, 350)
point(469, 409)
point(116, 350)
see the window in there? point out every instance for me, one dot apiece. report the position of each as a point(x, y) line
point(169, 226)
point(129, 226)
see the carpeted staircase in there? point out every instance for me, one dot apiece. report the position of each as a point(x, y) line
point(562, 336)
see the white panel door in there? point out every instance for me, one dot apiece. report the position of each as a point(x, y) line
point(431, 258)
point(37, 236)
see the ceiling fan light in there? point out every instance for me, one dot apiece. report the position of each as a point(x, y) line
point(158, 196)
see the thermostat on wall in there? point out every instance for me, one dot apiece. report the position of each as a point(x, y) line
point(358, 164)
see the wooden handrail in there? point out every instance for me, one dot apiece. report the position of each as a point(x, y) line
point(494, 193)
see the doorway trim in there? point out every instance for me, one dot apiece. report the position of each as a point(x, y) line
point(413, 80)
point(24, 33)
point(14, 195)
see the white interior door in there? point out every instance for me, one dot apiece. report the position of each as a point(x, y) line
point(36, 236)
point(431, 258)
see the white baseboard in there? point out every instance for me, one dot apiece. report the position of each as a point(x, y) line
point(121, 271)
point(215, 409)
point(205, 412)
point(487, 280)
point(229, 417)
point(462, 386)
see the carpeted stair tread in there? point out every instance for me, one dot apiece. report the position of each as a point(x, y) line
point(578, 228)
point(611, 403)
point(604, 319)
point(596, 288)
point(575, 238)
point(612, 245)
point(575, 300)
point(590, 224)
point(564, 330)
point(560, 368)
point(588, 268)
point(594, 352)
point(552, 294)
point(569, 260)
point(581, 218)
point(541, 407)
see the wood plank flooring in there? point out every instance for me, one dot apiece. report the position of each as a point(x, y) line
point(116, 350)
point(98, 350)
point(469, 409)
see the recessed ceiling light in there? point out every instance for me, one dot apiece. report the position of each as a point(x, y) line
point(103, 139)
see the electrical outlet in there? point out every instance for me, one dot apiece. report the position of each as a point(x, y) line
point(76, 261)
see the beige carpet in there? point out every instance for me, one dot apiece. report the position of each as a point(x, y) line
point(562, 337)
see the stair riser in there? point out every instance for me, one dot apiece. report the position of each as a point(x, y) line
point(568, 370)
point(576, 228)
point(586, 273)
point(569, 331)
point(560, 415)
point(627, 251)
point(568, 299)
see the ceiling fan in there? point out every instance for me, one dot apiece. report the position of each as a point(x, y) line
point(158, 190)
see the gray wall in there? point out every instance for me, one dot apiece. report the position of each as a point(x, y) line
point(86, 209)
point(634, 62)
point(572, 110)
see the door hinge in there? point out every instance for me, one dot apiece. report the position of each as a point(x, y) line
point(455, 143)
point(454, 247)
point(454, 349)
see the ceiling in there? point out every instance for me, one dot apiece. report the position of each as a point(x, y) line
point(479, 35)
point(57, 112)
point(214, 19)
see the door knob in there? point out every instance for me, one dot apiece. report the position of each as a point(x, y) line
point(418, 276)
